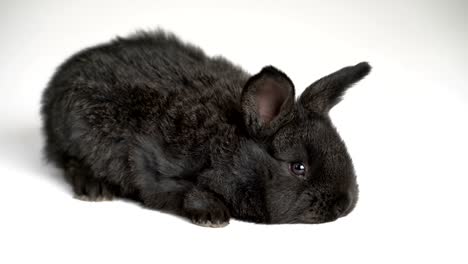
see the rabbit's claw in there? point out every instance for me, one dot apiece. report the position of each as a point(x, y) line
point(203, 209)
point(85, 186)
point(214, 218)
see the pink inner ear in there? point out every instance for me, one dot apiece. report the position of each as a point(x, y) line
point(270, 97)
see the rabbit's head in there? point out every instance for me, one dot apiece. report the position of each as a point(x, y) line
point(310, 176)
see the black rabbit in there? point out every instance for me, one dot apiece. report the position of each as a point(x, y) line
point(153, 119)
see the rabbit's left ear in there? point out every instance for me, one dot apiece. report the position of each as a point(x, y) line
point(323, 94)
point(267, 99)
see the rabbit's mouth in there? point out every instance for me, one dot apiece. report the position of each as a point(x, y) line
point(313, 218)
point(319, 220)
point(327, 211)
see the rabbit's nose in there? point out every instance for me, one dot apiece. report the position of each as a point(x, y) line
point(342, 204)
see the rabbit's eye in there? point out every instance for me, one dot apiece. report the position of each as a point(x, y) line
point(297, 168)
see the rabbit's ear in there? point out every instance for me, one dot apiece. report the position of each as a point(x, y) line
point(323, 94)
point(267, 98)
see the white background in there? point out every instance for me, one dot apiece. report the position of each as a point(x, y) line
point(405, 126)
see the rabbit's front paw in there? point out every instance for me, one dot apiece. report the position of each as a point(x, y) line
point(204, 209)
point(218, 217)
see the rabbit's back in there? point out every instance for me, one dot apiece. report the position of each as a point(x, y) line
point(155, 58)
point(149, 84)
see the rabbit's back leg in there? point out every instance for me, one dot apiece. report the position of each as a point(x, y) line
point(85, 186)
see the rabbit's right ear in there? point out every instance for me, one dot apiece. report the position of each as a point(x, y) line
point(323, 94)
point(267, 101)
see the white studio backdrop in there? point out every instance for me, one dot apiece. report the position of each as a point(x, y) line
point(405, 126)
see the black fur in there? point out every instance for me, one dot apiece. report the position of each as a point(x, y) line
point(154, 119)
